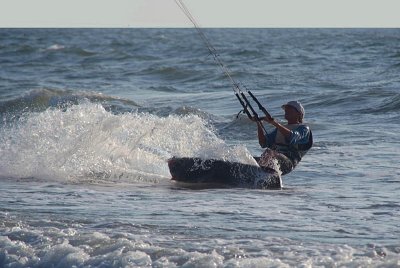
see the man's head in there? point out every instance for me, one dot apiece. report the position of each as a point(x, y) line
point(294, 111)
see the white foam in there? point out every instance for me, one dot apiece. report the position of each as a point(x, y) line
point(52, 248)
point(55, 47)
point(86, 142)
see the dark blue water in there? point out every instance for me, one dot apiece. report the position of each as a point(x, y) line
point(90, 116)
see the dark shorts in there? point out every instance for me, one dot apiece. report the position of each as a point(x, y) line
point(267, 161)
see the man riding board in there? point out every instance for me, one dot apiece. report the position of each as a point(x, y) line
point(286, 143)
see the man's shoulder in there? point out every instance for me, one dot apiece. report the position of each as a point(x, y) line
point(305, 126)
point(301, 126)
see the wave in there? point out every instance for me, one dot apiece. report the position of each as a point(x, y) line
point(85, 142)
point(334, 100)
point(387, 105)
point(38, 244)
point(23, 49)
point(41, 99)
point(164, 88)
point(169, 72)
point(247, 53)
point(79, 51)
point(55, 47)
point(370, 101)
point(188, 111)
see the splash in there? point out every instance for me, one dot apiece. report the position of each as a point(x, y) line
point(55, 47)
point(87, 142)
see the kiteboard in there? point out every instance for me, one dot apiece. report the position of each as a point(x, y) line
point(191, 170)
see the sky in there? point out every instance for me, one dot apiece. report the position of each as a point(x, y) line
point(208, 13)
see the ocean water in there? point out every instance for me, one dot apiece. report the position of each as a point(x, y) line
point(89, 118)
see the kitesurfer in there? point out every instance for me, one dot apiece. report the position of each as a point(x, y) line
point(287, 143)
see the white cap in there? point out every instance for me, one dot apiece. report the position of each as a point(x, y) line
point(297, 105)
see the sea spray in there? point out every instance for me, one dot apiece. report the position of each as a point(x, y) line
point(87, 142)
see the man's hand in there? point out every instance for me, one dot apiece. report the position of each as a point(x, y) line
point(268, 119)
point(255, 119)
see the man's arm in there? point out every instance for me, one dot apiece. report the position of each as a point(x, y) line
point(287, 133)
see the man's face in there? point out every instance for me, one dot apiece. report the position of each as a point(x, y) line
point(291, 114)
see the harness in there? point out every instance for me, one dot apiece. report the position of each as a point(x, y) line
point(293, 151)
